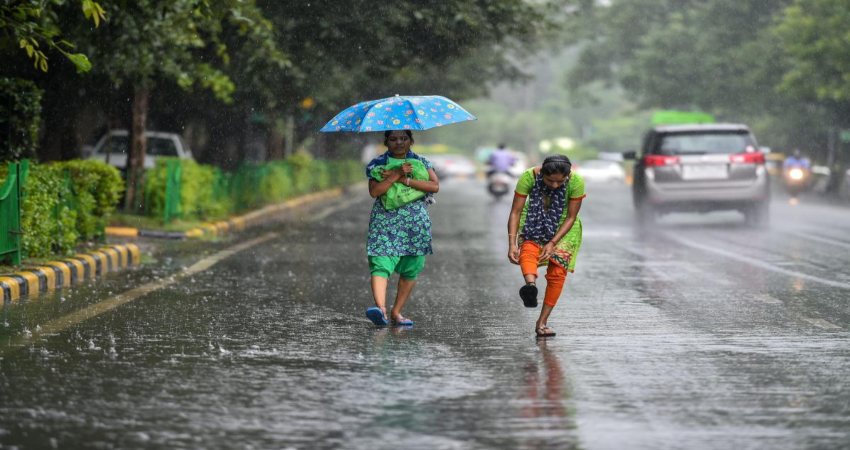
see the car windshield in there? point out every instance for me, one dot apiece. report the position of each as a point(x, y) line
point(156, 146)
point(116, 145)
point(161, 147)
point(703, 143)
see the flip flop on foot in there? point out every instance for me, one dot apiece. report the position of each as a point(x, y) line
point(544, 332)
point(402, 322)
point(376, 316)
point(528, 294)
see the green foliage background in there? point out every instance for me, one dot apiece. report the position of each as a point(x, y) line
point(20, 118)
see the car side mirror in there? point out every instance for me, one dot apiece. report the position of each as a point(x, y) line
point(630, 154)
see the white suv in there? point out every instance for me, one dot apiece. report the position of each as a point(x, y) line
point(114, 147)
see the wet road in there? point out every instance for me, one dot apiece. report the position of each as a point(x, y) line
point(704, 334)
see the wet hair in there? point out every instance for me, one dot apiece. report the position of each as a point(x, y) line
point(389, 132)
point(556, 164)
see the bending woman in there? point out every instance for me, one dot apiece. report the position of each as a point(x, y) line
point(544, 229)
point(399, 238)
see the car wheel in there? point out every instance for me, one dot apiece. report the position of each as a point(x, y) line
point(758, 214)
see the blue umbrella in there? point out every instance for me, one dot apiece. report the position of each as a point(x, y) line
point(402, 112)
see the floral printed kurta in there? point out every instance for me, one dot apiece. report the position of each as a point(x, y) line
point(401, 231)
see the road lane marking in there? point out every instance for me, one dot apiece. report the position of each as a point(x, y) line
point(820, 323)
point(323, 214)
point(63, 323)
point(822, 240)
point(759, 263)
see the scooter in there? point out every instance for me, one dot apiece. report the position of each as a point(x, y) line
point(796, 180)
point(499, 184)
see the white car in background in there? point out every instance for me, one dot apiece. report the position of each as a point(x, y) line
point(114, 146)
point(452, 165)
point(598, 170)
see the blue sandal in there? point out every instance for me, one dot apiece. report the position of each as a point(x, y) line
point(403, 322)
point(376, 316)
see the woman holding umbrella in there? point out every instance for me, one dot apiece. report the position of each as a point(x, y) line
point(399, 231)
point(399, 238)
point(544, 229)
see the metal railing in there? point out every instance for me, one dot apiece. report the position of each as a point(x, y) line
point(10, 212)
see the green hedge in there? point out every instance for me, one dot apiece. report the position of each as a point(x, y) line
point(209, 194)
point(66, 203)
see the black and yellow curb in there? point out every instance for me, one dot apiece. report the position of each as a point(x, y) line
point(55, 274)
point(237, 223)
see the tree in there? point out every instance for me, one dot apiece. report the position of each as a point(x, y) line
point(815, 41)
point(345, 52)
point(32, 25)
point(147, 42)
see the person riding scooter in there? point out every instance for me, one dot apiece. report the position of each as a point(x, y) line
point(796, 173)
point(499, 178)
point(501, 160)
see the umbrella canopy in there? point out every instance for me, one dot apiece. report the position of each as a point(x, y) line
point(402, 112)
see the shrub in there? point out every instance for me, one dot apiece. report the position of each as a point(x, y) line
point(97, 188)
point(48, 217)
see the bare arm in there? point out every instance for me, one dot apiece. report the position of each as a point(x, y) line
point(432, 184)
point(513, 228)
point(379, 188)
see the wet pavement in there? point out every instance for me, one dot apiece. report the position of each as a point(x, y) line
point(703, 334)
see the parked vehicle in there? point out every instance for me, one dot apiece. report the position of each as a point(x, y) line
point(597, 170)
point(700, 168)
point(114, 146)
point(452, 165)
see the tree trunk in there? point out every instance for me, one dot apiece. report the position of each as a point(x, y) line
point(275, 143)
point(138, 148)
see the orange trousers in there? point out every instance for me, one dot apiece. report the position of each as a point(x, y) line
point(556, 275)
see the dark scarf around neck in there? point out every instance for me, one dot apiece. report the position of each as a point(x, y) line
point(541, 223)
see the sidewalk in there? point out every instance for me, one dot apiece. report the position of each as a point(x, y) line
point(36, 279)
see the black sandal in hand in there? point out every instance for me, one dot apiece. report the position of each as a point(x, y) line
point(528, 294)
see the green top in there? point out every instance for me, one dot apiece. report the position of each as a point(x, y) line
point(571, 242)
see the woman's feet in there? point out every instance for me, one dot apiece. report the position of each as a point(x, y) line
point(544, 331)
point(377, 315)
point(400, 321)
point(528, 294)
